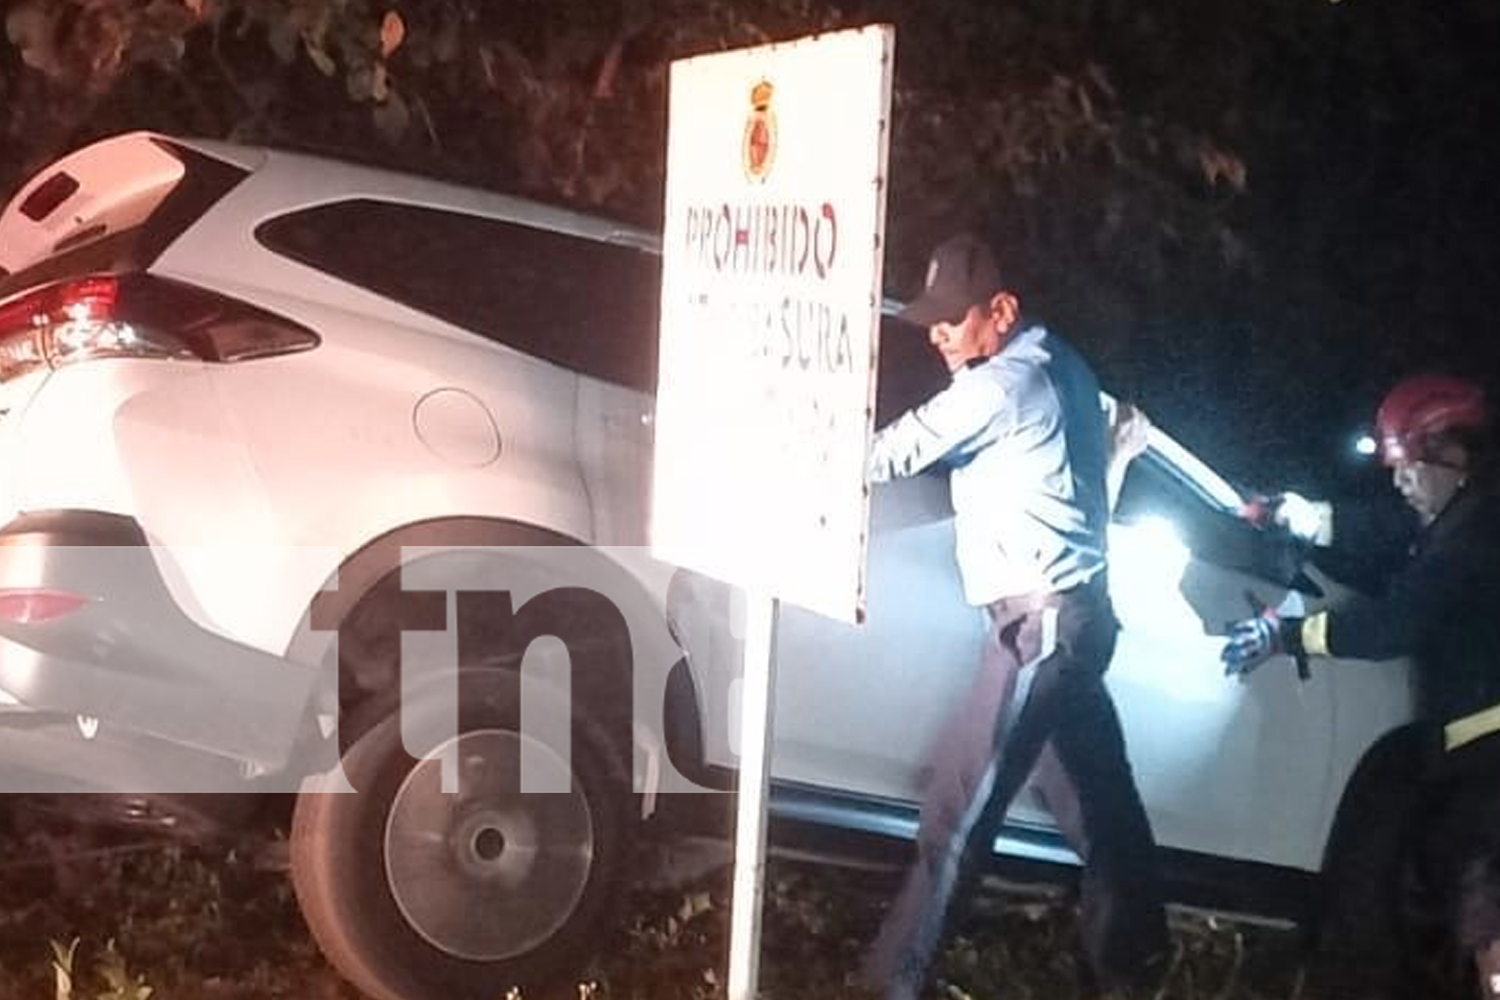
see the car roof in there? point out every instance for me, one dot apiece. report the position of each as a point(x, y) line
point(123, 176)
point(118, 181)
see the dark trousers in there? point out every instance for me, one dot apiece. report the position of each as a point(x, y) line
point(1041, 682)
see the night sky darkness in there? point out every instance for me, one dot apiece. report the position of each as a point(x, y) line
point(1373, 205)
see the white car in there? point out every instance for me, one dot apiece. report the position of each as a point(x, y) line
point(243, 391)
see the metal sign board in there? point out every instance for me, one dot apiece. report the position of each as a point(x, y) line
point(772, 251)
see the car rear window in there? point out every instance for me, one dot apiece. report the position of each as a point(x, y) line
point(94, 250)
point(583, 304)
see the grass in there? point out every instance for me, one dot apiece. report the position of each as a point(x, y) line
point(90, 920)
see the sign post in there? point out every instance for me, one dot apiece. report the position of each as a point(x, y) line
point(773, 242)
point(756, 726)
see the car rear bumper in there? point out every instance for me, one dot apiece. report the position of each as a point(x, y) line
point(115, 669)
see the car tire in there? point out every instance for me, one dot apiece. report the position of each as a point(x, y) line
point(413, 893)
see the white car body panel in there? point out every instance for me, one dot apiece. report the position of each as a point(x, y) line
point(1220, 763)
point(294, 463)
point(360, 385)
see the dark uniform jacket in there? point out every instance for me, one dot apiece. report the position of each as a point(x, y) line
point(1442, 608)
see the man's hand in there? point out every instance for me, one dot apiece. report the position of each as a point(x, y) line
point(1252, 641)
point(1129, 433)
point(1255, 640)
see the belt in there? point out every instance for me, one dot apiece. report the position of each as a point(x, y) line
point(1025, 604)
point(1036, 600)
point(1471, 727)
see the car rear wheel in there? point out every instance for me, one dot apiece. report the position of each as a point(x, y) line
point(415, 892)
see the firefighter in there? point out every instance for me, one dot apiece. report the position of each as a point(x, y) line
point(1443, 609)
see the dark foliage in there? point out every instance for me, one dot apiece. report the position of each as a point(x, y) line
point(1254, 215)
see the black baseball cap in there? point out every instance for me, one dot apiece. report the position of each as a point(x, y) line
point(961, 272)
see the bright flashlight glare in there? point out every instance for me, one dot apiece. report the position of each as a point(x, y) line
point(1364, 445)
point(1146, 562)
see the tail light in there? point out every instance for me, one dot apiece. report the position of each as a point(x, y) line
point(137, 316)
point(33, 606)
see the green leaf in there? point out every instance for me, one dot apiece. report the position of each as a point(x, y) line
point(445, 46)
point(62, 968)
point(283, 37)
point(360, 83)
point(117, 977)
point(392, 33)
point(320, 58)
point(31, 28)
point(392, 118)
point(380, 87)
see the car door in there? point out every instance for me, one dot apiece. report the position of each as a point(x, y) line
point(858, 707)
point(1229, 767)
point(615, 408)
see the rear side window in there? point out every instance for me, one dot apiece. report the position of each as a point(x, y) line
point(588, 306)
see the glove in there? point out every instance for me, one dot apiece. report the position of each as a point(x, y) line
point(1308, 520)
point(1252, 641)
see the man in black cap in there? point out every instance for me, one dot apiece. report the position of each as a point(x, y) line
point(1023, 430)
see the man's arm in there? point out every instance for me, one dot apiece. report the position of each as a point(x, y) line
point(1427, 589)
point(942, 425)
point(1420, 596)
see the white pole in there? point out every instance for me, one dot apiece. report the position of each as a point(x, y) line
point(756, 703)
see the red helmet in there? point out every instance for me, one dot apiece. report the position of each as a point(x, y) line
point(1423, 405)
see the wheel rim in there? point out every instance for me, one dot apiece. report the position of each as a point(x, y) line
point(486, 873)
